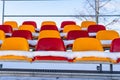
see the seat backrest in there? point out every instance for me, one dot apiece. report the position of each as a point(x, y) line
point(107, 35)
point(2, 35)
point(49, 34)
point(13, 24)
point(30, 23)
point(15, 43)
point(95, 28)
point(22, 33)
point(49, 27)
point(64, 23)
point(6, 28)
point(85, 24)
point(48, 23)
point(27, 27)
point(72, 35)
point(68, 28)
point(50, 44)
point(87, 44)
point(115, 45)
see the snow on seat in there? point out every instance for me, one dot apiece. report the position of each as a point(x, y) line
point(88, 44)
point(16, 44)
point(50, 44)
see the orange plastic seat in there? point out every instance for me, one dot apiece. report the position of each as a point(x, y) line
point(88, 44)
point(2, 35)
point(48, 23)
point(33, 23)
point(27, 27)
point(50, 44)
point(15, 44)
point(49, 27)
point(68, 28)
point(13, 24)
point(22, 33)
point(85, 24)
point(107, 35)
point(64, 23)
point(49, 34)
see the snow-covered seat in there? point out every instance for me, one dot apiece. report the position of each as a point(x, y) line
point(15, 44)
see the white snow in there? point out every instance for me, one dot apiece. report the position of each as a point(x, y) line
point(68, 54)
point(32, 42)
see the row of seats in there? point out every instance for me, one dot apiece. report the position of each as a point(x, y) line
point(102, 35)
point(14, 24)
point(56, 44)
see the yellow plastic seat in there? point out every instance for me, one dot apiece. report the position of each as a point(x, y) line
point(85, 24)
point(48, 23)
point(30, 28)
point(49, 34)
point(107, 35)
point(2, 35)
point(88, 44)
point(13, 24)
point(68, 28)
point(15, 44)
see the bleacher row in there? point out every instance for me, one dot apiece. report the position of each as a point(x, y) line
point(70, 43)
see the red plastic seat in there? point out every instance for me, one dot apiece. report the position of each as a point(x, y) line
point(50, 44)
point(115, 47)
point(64, 23)
point(72, 35)
point(6, 28)
point(95, 28)
point(49, 27)
point(22, 33)
point(33, 23)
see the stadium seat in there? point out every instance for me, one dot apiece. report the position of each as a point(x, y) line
point(22, 33)
point(33, 23)
point(49, 27)
point(107, 35)
point(85, 24)
point(7, 29)
point(15, 44)
point(115, 47)
point(2, 35)
point(48, 23)
point(13, 24)
point(49, 34)
point(68, 28)
point(74, 34)
point(50, 44)
point(64, 23)
point(93, 29)
point(88, 44)
point(27, 27)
